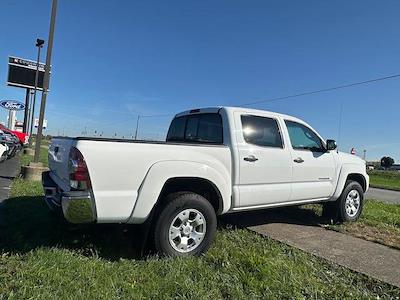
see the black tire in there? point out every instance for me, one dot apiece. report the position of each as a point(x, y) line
point(350, 186)
point(176, 204)
point(53, 208)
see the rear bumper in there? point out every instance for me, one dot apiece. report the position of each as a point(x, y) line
point(77, 206)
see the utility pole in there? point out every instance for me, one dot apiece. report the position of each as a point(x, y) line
point(364, 154)
point(26, 112)
point(28, 126)
point(39, 44)
point(46, 80)
point(137, 126)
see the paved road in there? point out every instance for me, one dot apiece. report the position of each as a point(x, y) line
point(369, 258)
point(383, 195)
point(8, 170)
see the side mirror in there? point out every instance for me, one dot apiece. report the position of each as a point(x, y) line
point(331, 145)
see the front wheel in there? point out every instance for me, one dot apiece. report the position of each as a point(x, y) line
point(351, 202)
point(185, 226)
point(349, 206)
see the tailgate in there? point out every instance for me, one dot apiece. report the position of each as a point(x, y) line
point(58, 158)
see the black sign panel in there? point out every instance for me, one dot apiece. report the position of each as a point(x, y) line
point(22, 72)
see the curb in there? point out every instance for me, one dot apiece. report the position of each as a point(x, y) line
point(384, 188)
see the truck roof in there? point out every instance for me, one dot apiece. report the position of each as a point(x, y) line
point(216, 109)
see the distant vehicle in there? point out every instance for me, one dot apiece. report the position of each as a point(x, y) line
point(7, 139)
point(23, 137)
point(214, 161)
point(3, 152)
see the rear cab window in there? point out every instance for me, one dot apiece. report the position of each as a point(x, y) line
point(197, 128)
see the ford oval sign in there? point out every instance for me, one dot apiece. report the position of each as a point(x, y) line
point(12, 105)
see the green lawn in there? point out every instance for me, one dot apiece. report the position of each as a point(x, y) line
point(385, 179)
point(25, 159)
point(44, 257)
point(379, 222)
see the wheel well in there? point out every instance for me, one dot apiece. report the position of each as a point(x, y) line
point(358, 178)
point(200, 186)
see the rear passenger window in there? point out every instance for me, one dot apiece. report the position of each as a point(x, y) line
point(199, 128)
point(261, 131)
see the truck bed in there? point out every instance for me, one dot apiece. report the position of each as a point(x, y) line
point(118, 167)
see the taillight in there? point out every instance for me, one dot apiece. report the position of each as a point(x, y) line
point(78, 172)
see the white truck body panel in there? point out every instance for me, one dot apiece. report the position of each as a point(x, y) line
point(127, 177)
point(119, 169)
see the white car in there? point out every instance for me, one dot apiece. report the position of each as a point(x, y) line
point(215, 161)
point(3, 152)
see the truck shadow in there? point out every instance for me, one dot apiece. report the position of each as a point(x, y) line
point(290, 215)
point(28, 224)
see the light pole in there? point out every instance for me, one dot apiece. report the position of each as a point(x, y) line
point(46, 80)
point(39, 44)
point(137, 126)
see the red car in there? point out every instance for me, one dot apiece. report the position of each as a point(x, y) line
point(22, 136)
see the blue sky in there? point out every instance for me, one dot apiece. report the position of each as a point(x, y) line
point(113, 60)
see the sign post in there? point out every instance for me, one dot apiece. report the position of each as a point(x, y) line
point(11, 119)
point(26, 113)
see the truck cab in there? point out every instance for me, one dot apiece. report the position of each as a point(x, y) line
point(276, 159)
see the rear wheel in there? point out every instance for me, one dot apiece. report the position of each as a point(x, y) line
point(185, 226)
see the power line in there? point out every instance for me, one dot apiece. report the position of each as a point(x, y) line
point(161, 115)
point(303, 94)
point(323, 90)
point(139, 116)
point(290, 96)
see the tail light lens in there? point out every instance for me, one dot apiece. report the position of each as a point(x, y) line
point(78, 172)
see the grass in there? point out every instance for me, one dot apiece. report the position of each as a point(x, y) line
point(41, 256)
point(379, 222)
point(25, 159)
point(385, 179)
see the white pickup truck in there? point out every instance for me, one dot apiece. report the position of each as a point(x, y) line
point(214, 161)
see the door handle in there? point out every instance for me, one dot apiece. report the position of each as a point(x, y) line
point(250, 158)
point(298, 160)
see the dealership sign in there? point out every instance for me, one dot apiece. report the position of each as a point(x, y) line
point(12, 105)
point(22, 73)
